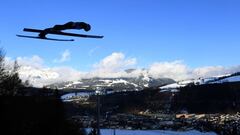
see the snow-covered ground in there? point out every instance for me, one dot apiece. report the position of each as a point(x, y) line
point(200, 81)
point(229, 79)
point(151, 132)
point(173, 86)
point(70, 96)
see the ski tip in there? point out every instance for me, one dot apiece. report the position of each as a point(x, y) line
point(18, 35)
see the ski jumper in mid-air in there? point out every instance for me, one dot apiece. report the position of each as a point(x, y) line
point(66, 26)
point(58, 30)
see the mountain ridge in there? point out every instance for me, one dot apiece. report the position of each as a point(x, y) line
point(116, 84)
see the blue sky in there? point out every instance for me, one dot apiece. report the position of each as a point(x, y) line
point(198, 32)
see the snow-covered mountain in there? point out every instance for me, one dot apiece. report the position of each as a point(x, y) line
point(52, 78)
point(37, 77)
point(65, 78)
point(174, 87)
point(116, 84)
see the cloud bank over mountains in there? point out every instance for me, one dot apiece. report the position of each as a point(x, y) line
point(112, 66)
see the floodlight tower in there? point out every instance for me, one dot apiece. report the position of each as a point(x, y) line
point(98, 92)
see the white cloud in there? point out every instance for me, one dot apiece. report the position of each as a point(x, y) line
point(176, 70)
point(115, 62)
point(34, 61)
point(44, 76)
point(112, 66)
point(65, 56)
point(67, 74)
point(34, 70)
point(209, 71)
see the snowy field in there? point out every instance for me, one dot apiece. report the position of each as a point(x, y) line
point(67, 97)
point(151, 132)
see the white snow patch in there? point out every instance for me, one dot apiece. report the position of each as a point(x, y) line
point(135, 85)
point(120, 81)
point(106, 81)
point(229, 79)
point(172, 86)
point(152, 132)
point(77, 82)
point(146, 85)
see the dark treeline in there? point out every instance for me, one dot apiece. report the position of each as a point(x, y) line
point(30, 115)
point(10, 83)
point(210, 98)
point(134, 101)
point(26, 110)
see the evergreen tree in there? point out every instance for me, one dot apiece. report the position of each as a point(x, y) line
point(2, 69)
point(10, 83)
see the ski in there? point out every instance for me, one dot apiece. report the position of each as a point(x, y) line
point(62, 33)
point(54, 39)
